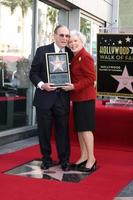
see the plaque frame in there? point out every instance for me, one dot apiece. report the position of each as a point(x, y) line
point(58, 71)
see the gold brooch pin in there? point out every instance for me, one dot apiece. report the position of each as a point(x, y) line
point(79, 59)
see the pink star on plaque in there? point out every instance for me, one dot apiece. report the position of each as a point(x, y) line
point(57, 64)
point(124, 80)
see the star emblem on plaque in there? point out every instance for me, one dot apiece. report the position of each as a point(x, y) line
point(58, 68)
point(125, 81)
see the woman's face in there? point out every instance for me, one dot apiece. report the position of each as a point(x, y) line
point(75, 44)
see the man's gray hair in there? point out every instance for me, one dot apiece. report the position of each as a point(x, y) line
point(79, 35)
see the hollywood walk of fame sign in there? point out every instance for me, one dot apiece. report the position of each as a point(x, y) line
point(58, 68)
point(115, 65)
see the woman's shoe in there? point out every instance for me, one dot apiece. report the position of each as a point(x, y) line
point(85, 169)
point(76, 166)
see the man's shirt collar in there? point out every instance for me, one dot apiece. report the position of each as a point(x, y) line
point(57, 49)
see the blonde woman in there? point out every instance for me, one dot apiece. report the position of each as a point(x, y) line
point(83, 95)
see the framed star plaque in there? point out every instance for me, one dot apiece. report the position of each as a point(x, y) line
point(58, 68)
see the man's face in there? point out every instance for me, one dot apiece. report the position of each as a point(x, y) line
point(62, 37)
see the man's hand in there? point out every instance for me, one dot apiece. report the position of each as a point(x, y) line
point(48, 87)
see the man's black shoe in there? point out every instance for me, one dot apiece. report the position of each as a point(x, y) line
point(65, 166)
point(46, 165)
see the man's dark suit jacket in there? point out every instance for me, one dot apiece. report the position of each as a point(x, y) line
point(38, 72)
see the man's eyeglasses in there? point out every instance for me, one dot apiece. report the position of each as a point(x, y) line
point(62, 35)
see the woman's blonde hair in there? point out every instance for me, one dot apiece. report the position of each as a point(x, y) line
point(79, 35)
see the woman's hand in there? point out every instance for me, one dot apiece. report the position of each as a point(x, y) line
point(95, 84)
point(68, 87)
